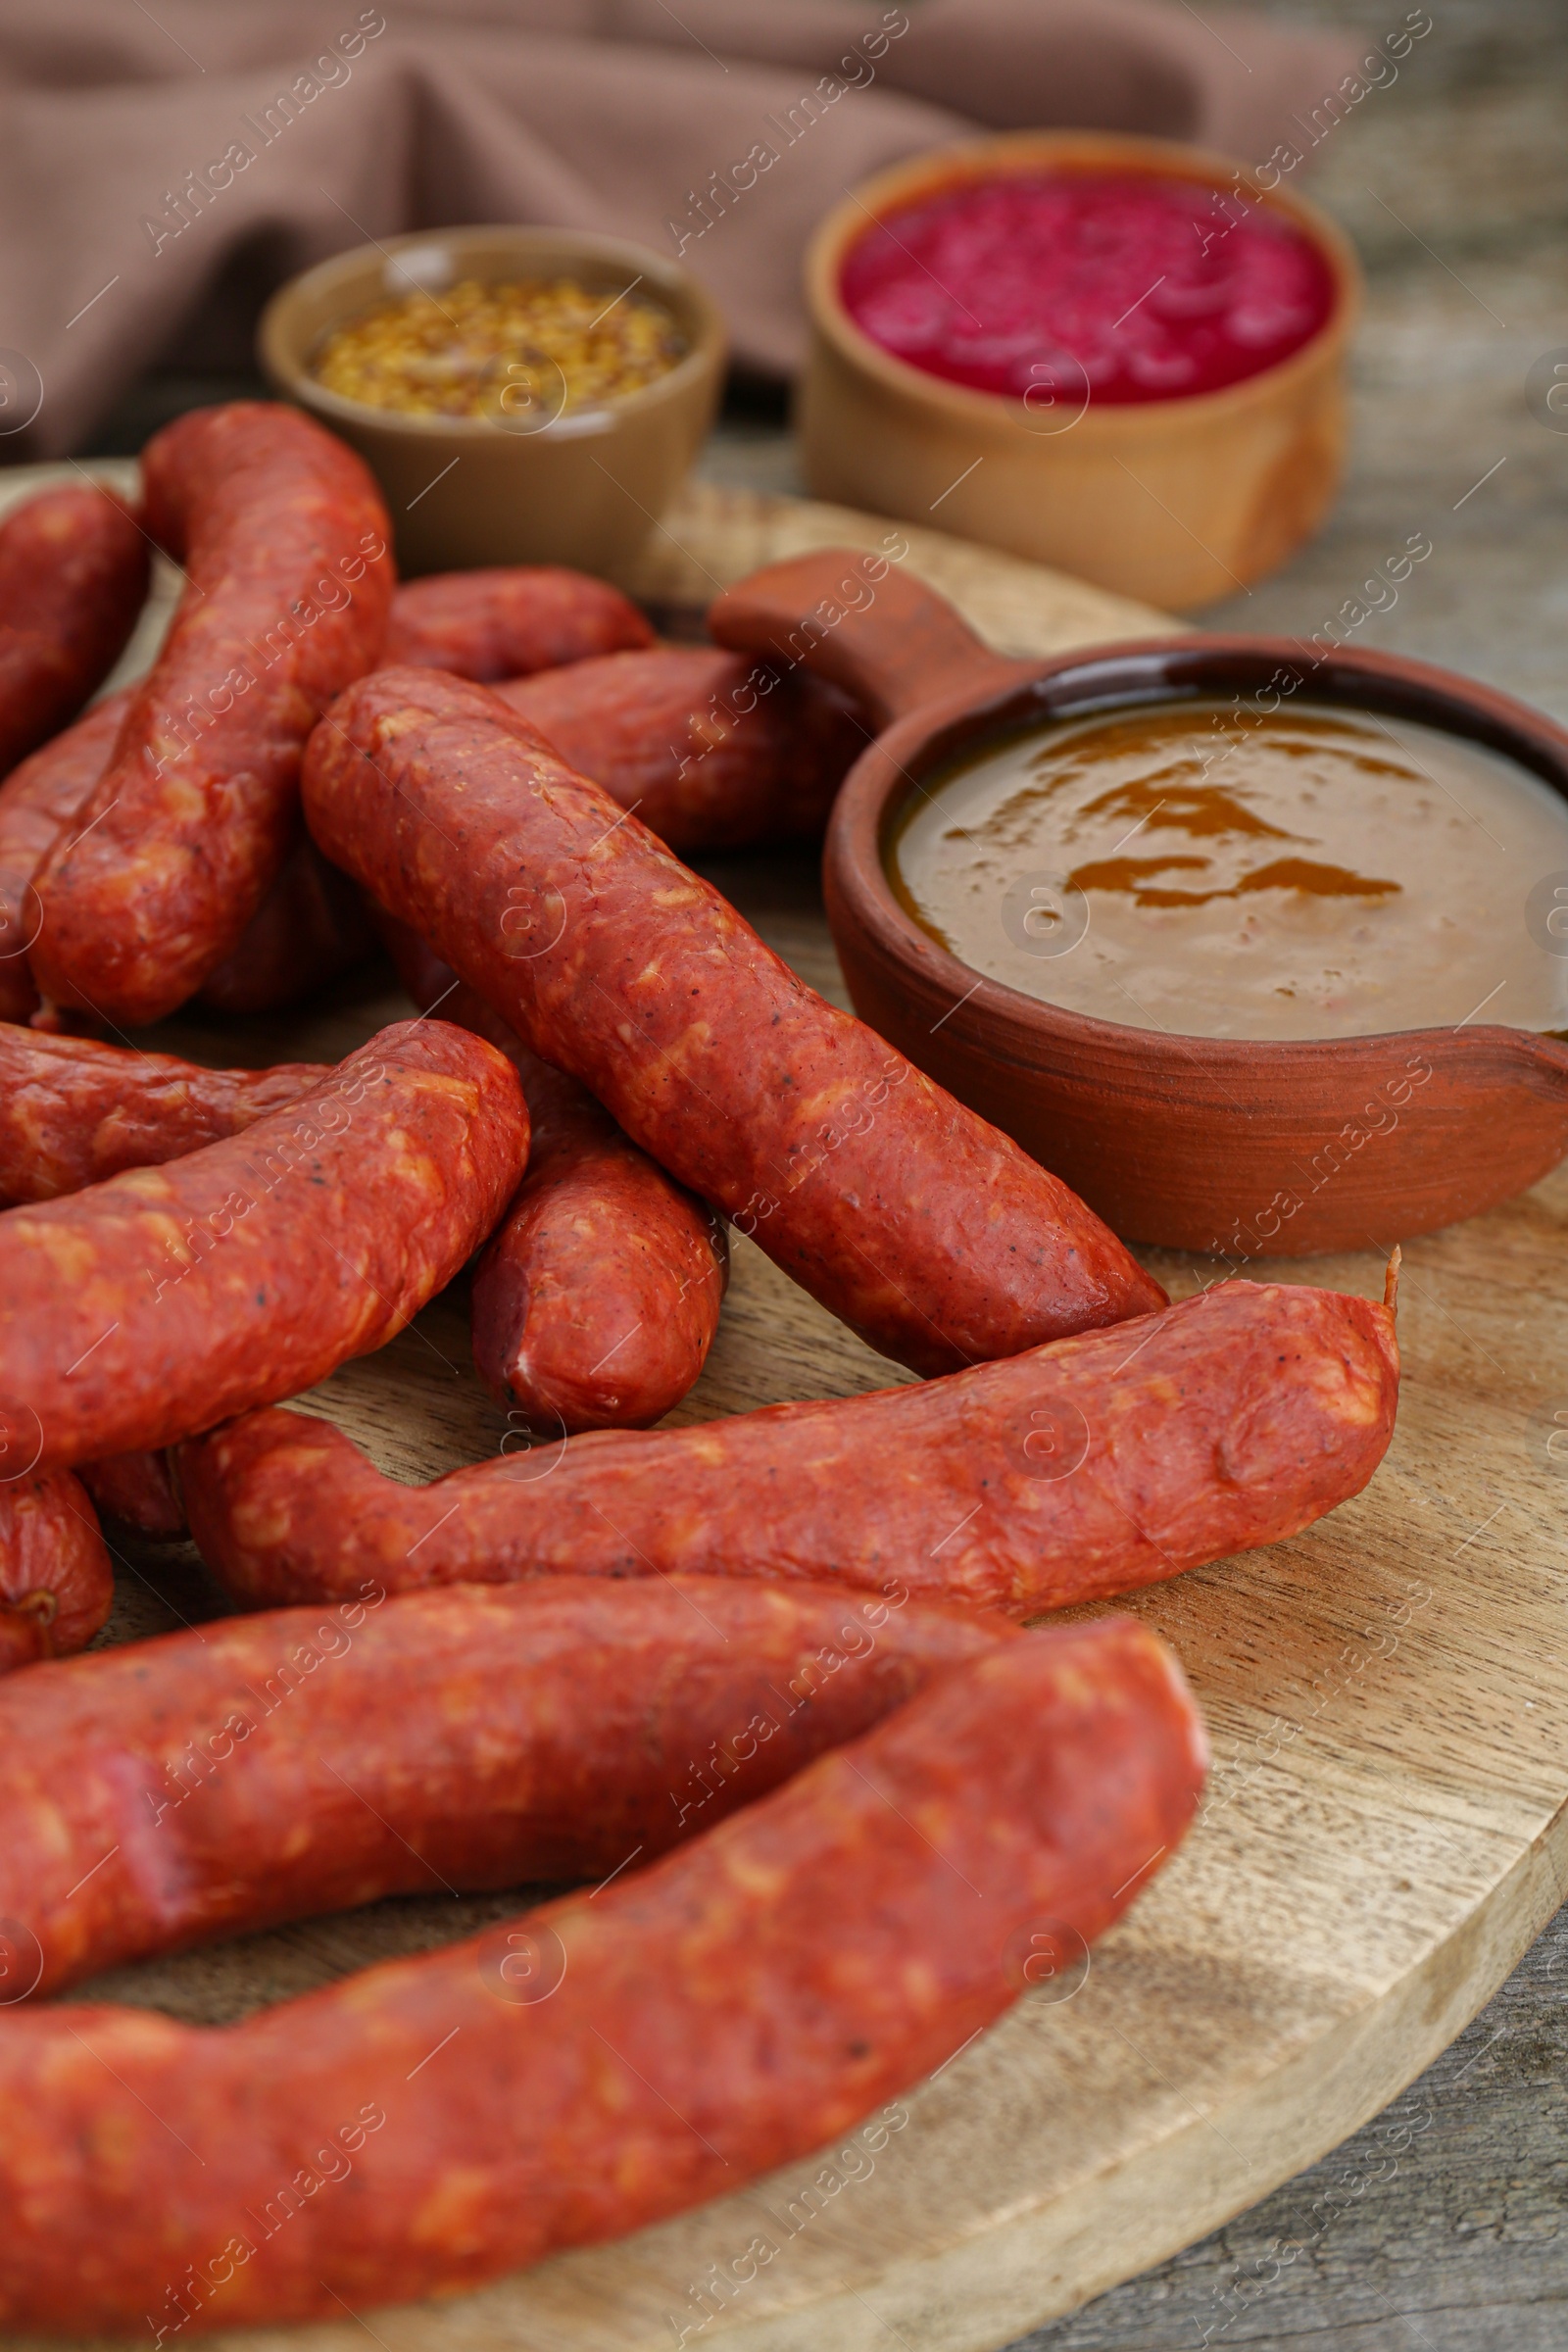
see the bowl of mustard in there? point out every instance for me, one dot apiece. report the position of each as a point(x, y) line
point(523, 395)
point(1261, 946)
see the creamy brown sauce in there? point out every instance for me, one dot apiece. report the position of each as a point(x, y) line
point(1201, 868)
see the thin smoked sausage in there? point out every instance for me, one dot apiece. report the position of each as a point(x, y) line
point(714, 750)
point(310, 926)
point(150, 1306)
point(283, 538)
point(508, 621)
point(597, 1298)
point(614, 2056)
point(73, 580)
point(137, 1490)
point(38, 802)
point(271, 1768)
point(57, 1582)
point(926, 1229)
point(73, 1113)
point(1078, 1470)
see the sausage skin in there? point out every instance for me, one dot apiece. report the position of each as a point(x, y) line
point(154, 1305)
point(1231, 1420)
point(733, 2005)
point(275, 1767)
point(597, 1298)
point(310, 926)
point(137, 1489)
point(506, 620)
point(23, 1636)
point(283, 536)
point(57, 1583)
point(38, 802)
point(73, 580)
point(73, 1113)
point(714, 750)
point(926, 1229)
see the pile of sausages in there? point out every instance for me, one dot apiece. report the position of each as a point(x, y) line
point(763, 1682)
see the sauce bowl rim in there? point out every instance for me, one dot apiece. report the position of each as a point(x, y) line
point(891, 769)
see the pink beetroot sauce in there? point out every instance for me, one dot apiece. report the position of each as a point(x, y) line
point(1149, 288)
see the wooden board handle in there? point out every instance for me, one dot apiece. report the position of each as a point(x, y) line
point(857, 618)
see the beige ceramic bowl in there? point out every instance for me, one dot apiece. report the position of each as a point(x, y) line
point(583, 489)
point(1178, 502)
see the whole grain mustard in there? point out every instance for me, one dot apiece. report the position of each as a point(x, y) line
point(519, 352)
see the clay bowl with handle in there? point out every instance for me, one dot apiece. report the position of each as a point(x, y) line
point(1246, 1148)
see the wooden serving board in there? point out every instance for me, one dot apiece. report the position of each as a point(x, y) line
point(1384, 1828)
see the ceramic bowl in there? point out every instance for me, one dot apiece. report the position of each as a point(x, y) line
point(1249, 1149)
point(1179, 501)
point(582, 488)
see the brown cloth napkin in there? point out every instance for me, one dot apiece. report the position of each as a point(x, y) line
point(162, 167)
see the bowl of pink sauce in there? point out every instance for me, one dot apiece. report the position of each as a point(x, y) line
point(1119, 356)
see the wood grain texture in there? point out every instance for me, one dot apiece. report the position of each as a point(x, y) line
point(716, 534)
point(1437, 2227)
point(1382, 1835)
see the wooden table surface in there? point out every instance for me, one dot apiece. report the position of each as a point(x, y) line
point(1441, 2226)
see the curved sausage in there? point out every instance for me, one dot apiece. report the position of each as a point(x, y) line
point(597, 1300)
point(714, 750)
point(73, 580)
point(508, 621)
point(38, 802)
point(927, 1230)
point(1086, 1468)
point(432, 2124)
point(57, 1583)
point(598, 1296)
point(283, 537)
point(272, 1768)
point(137, 1489)
point(311, 927)
point(73, 1113)
point(148, 1308)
